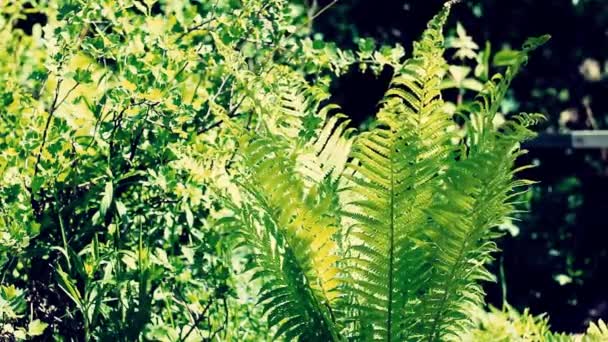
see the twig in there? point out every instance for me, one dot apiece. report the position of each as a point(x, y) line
point(137, 138)
point(67, 94)
point(117, 120)
point(225, 326)
point(219, 122)
point(217, 94)
point(47, 125)
point(199, 25)
point(328, 6)
point(183, 302)
point(54, 106)
point(197, 321)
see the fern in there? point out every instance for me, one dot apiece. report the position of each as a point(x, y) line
point(286, 217)
point(397, 171)
point(382, 236)
point(476, 194)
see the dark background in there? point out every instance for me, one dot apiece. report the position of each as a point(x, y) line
point(563, 236)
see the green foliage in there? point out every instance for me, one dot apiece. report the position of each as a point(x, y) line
point(115, 118)
point(163, 162)
point(390, 245)
point(506, 325)
point(509, 325)
point(105, 112)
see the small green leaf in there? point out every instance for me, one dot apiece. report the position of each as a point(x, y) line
point(507, 57)
point(562, 279)
point(459, 73)
point(106, 201)
point(189, 216)
point(249, 50)
point(19, 334)
point(6, 99)
point(318, 44)
point(37, 182)
point(366, 45)
point(36, 328)
point(188, 254)
point(10, 291)
point(534, 42)
point(67, 9)
point(120, 208)
point(83, 76)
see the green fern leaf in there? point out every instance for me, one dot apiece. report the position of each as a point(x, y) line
point(394, 176)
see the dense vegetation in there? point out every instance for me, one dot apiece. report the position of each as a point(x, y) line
point(173, 171)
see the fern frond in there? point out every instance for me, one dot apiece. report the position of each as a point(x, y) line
point(423, 209)
point(295, 111)
point(325, 157)
point(476, 196)
point(295, 219)
point(394, 176)
point(297, 273)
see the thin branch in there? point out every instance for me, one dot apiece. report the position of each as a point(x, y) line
point(47, 125)
point(199, 25)
point(322, 10)
point(137, 138)
point(183, 302)
point(225, 326)
point(54, 106)
point(217, 94)
point(219, 122)
point(197, 321)
point(67, 95)
point(117, 120)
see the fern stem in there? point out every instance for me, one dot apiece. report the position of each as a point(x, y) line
point(391, 256)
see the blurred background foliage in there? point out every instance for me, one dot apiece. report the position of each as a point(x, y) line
point(556, 256)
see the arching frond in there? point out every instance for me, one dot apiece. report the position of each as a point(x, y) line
point(293, 233)
point(476, 196)
point(287, 219)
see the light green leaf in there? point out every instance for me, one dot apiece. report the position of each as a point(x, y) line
point(36, 328)
point(68, 286)
point(189, 216)
point(459, 73)
point(19, 334)
point(562, 279)
point(106, 201)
